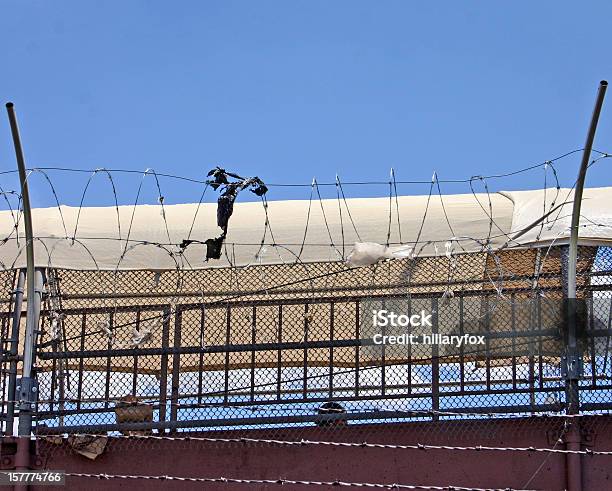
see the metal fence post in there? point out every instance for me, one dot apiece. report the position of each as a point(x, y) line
point(572, 365)
point(572, 359)
point(435, 361)
point(27, 388)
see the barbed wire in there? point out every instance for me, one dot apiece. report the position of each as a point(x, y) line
point(327, 443)
point(283, 481)
point(307, 185)
point(315, 185)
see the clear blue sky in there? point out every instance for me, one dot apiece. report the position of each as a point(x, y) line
point(288, 90)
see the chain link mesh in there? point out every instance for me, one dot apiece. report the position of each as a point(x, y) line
point(286, 351)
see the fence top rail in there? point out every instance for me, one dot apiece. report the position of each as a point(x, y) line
point(229, 303)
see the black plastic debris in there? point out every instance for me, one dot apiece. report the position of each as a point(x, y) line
point(229, 192)
point(230, 185)
point(213, 247)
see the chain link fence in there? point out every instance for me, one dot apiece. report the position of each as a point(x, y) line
point(265, 350)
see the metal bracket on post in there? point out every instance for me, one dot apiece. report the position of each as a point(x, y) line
point(572, 366)
point(27, 391)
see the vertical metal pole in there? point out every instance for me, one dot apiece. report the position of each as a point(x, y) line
point(586, 156)
point(34, 283)
point(27, 388)
point(25, 196)
point(12, 383)
point(435, 362)
point(572, 362)
point(572, 357)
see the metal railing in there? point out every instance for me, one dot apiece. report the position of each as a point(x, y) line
point(303, 359)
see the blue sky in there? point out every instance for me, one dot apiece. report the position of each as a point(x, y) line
point(288, 90)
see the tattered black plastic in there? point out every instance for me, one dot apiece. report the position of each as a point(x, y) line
point(225, 204)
